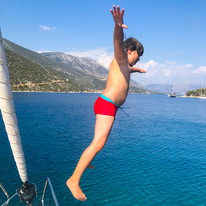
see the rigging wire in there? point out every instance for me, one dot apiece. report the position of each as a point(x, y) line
point(7, 202)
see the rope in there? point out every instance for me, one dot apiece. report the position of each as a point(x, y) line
point(121, 109)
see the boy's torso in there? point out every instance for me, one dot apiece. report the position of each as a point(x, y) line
point(117, 83)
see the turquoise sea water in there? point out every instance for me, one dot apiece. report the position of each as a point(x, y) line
point(156, 156)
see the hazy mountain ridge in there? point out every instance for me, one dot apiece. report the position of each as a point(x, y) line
point(160, 88)
point(178, 88)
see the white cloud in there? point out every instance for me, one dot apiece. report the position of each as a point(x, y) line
point(168, 72)
point(43, 51)
point(46, 28)
point(200, 70)
point(101, 55)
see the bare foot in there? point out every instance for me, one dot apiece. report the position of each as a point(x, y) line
point(76, 190)
point(90, 166)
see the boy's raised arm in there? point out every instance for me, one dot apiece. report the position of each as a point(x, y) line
point(119, 52)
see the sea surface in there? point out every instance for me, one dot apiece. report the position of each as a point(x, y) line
point(155, 155)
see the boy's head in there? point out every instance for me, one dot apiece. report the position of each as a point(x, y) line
point(134, 50)
point(133, 45)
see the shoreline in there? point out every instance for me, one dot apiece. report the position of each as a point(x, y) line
point(97, 92)
point(73, 92)
point(195, 97)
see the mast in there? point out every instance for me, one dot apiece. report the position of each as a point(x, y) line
point(171, 88)
point(201, 89)
point(11, 125)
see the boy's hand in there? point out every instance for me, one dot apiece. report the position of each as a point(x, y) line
point(118, 16)
point(134, 69)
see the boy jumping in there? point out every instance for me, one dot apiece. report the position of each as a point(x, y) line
point(126, 54)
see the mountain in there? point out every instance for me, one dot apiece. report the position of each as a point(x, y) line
point(184, 87)
point(178, 88)
point(27, 75)
point(85, 65)
point(77, 80)
point(160, 88)
point(39, 59)
point(55, 72)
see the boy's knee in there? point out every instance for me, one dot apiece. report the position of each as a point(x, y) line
point(98, 146)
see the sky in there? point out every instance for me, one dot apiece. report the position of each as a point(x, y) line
point(173, 33)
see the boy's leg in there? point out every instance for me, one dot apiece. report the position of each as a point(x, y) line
point(103, 127)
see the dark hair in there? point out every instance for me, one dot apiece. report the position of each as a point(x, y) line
point(133, 45)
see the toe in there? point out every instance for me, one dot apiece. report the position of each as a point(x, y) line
point(83, 198)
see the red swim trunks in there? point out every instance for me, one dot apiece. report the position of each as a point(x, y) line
point(105, 107)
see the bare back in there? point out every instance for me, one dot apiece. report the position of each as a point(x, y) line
point(118, 82)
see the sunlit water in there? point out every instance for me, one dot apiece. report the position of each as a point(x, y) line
point(156, 156)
